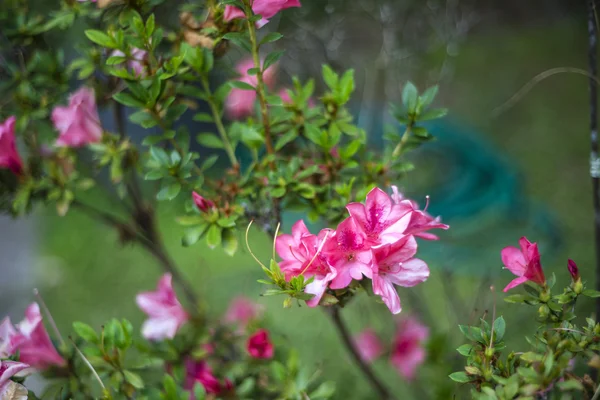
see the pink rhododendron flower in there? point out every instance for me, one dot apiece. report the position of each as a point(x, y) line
point(9, 156)
point(265, 8)
point(203, 204)
point(393, 265)
point(32, 342)
point(301, 253)
point(259, 345)
point(166, 314)
point(242, 311)
point(524, 263)
point(7, 331)
point(137, 61)
point(408, 351)
point(377, 215)
point(8, 388)
point(349, 253)
point(79, 122)
point(239, 102)
point(368, 345)
point(573, 270)
point(200, 372)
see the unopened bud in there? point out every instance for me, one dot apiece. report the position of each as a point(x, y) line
point(544, 296)
point(573, 270)
point(489, 352)
point(578, 286)
point(203, 204)
point(543, 311)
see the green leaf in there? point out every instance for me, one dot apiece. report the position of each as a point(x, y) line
point(516, 298)
point(460, 377)
point(571, 384)
point(251, 137)
point(239, 39)
point(286, 138)
point(203, 117)
point(410, 96)
point(85, 332)
point(278, 192)
point(209, 140)
point(128, 100)
point(169, 192)
point(499, 328)
point(242, 85)
point(347, 85)
point(133, 378)
point(100, 38)
point(230, 241)
point(272, 58)
point(213, 236)
point(159, 155)
point(433, 114)
point(199, 391)
point(192, 235)
point(271, 37)
point(465, 349)
point(428, 96)
point(313, 133)
point(278, 370)
point(591, 293)
point(324, 391)
point(330, 77)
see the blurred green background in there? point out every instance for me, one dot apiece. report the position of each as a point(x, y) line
point(481, 54)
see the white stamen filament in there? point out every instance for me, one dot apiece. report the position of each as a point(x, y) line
point(50, 319)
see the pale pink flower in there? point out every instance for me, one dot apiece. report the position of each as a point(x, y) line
point(8, 369)
point(301, 253)
point(9, 156)
point(524, 263)
point(79, 122)
point(368, 345)
point(166, 314)
point(136, 62)
point(259, 345)
point(239, 102)
point(377, 215)
point(265, 8)
point(32, 341)
point(200, 372)
point(408, 351)
point(393, 265)
point(7, 331)
point(242, 311)
point(349, 253)
point(202, 203)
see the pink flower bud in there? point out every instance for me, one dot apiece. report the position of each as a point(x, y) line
point(573, 270)
point(260, 346)
point(9, 157)
point(203, 204)
point(265, 8)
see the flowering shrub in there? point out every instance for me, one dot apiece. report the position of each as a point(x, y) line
point(219, 63)
point(559, 342)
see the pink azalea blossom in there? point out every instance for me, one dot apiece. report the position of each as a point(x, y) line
point(200, 372)
point(79, 122)
point(242, 311)
point(202, 203)
point(524, 263)
point(368, 345)
point(349, 253)
point(166, 314)
point(137, 61)
point(32, 341)
point(7, 331)
point(9, 156)
point(240, 103)
point(377, 215)
point(259, 345)
point(301, 253)
point(573, 270)
point(8, 369)
point(393, 265)
point(265, 8)
point(408, 351)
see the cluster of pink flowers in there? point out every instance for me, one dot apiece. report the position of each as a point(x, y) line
point(30, 339)
point(376, 241)
point(166, 316)
point(78, 125)
point(267, 9)
point(407, 351)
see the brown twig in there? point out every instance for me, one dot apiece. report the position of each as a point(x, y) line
point(382, 392)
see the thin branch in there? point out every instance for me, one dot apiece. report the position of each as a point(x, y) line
point(382, 392)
